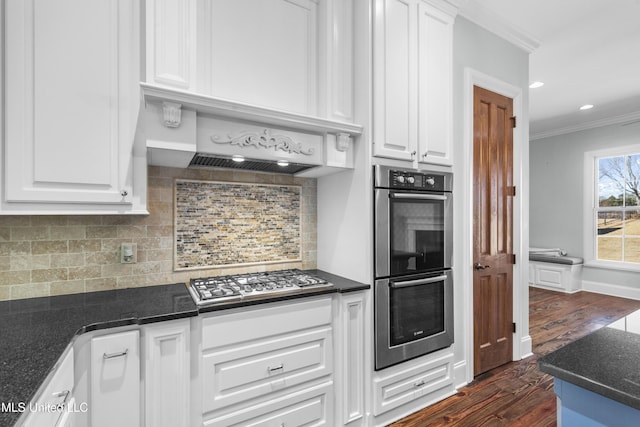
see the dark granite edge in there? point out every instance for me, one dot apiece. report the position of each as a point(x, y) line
point(261, 301)
point(340, 284)
point(590, 384)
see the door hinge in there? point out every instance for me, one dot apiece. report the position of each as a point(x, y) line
point(513, 259)
point(513, 121)
point(511, 191)
point(514, 327)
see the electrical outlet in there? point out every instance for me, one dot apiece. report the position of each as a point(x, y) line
point(128, 253)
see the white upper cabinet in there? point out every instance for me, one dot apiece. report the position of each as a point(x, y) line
point(286, 55)
point(71, 75)
point(412, 80)
point(263, 52)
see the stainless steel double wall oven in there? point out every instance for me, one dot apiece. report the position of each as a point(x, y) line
point(413, 236)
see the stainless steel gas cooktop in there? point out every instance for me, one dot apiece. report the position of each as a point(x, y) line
point(217, 289)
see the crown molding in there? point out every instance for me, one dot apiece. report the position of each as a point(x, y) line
point(623, 119)
point(475, 12)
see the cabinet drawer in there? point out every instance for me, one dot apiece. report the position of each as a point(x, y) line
point(310, 407)
point(402, 387)
point(225, 329)
point(115, 380)
point(256, 369)
point(51, 406)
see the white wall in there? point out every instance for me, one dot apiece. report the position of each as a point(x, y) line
point(556, 196)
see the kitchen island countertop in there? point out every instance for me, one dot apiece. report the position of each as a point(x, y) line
point(604, 362)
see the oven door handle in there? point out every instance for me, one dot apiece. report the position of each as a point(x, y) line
point(418, 196)
point(397, 285)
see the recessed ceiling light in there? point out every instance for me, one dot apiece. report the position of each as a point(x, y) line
point(283, 163)
point(536, 85)
point(586, 107)
point(237, 158)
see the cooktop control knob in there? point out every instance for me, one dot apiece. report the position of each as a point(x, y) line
point(430, 180)
point(400, 179)
point(411, 179)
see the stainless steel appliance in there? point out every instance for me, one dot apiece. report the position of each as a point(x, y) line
point(413, 295)
point(221, 289)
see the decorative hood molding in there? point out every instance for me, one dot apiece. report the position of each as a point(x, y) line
point(236, 110)
point(181, 126)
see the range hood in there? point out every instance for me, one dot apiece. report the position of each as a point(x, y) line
point(185, 129)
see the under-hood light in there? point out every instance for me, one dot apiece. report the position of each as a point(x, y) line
point(237, 158)
point(283, 163)
point(586, 107)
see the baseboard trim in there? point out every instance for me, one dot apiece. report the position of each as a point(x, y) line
point(612, 290)
point(526, 347)
point(460, 374)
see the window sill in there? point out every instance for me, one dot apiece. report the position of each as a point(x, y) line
point(612, 265)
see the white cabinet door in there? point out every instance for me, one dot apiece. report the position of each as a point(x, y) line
point(435, 82)
point(72, 99)
point(412, 81)
point(395, 100)
point(115, 380)
point(351, 359)
point(271, 60)
point(167, 373)
point(51, 407)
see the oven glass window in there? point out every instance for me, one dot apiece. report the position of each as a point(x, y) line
point(417, 235)
point(416, 312)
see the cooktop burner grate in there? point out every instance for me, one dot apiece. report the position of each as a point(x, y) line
point(252, 285)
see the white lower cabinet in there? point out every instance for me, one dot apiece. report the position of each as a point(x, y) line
point(115, 380)
point(350, 359)
point(51, 408)
point(166, 373)
point(309, 407)
point(269, 366)
point(396, 387)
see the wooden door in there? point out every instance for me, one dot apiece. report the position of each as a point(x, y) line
point(492, 230)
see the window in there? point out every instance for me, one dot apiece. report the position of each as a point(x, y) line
point(612, 208)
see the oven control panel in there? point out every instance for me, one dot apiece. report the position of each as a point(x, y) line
point(416, 180)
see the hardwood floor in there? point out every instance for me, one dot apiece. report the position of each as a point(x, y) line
point(518, 394)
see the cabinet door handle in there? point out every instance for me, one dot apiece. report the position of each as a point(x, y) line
point(419, 384)
point(271, 370)
point(64, 393)
point(112, 355)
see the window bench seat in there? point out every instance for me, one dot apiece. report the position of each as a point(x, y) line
point(555, 272)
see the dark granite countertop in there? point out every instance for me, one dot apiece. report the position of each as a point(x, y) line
point(35, 332)
point(604, 362)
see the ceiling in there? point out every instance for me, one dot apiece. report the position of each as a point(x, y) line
point(585, 52)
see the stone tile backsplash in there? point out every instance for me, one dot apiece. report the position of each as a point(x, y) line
point(220, 224)
point(53, 255)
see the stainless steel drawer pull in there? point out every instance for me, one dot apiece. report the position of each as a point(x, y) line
point(112, 355)
point(280, 367)
point(419, 384)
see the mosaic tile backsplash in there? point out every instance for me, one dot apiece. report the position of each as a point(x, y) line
point(221, 224)
point(44, 255)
